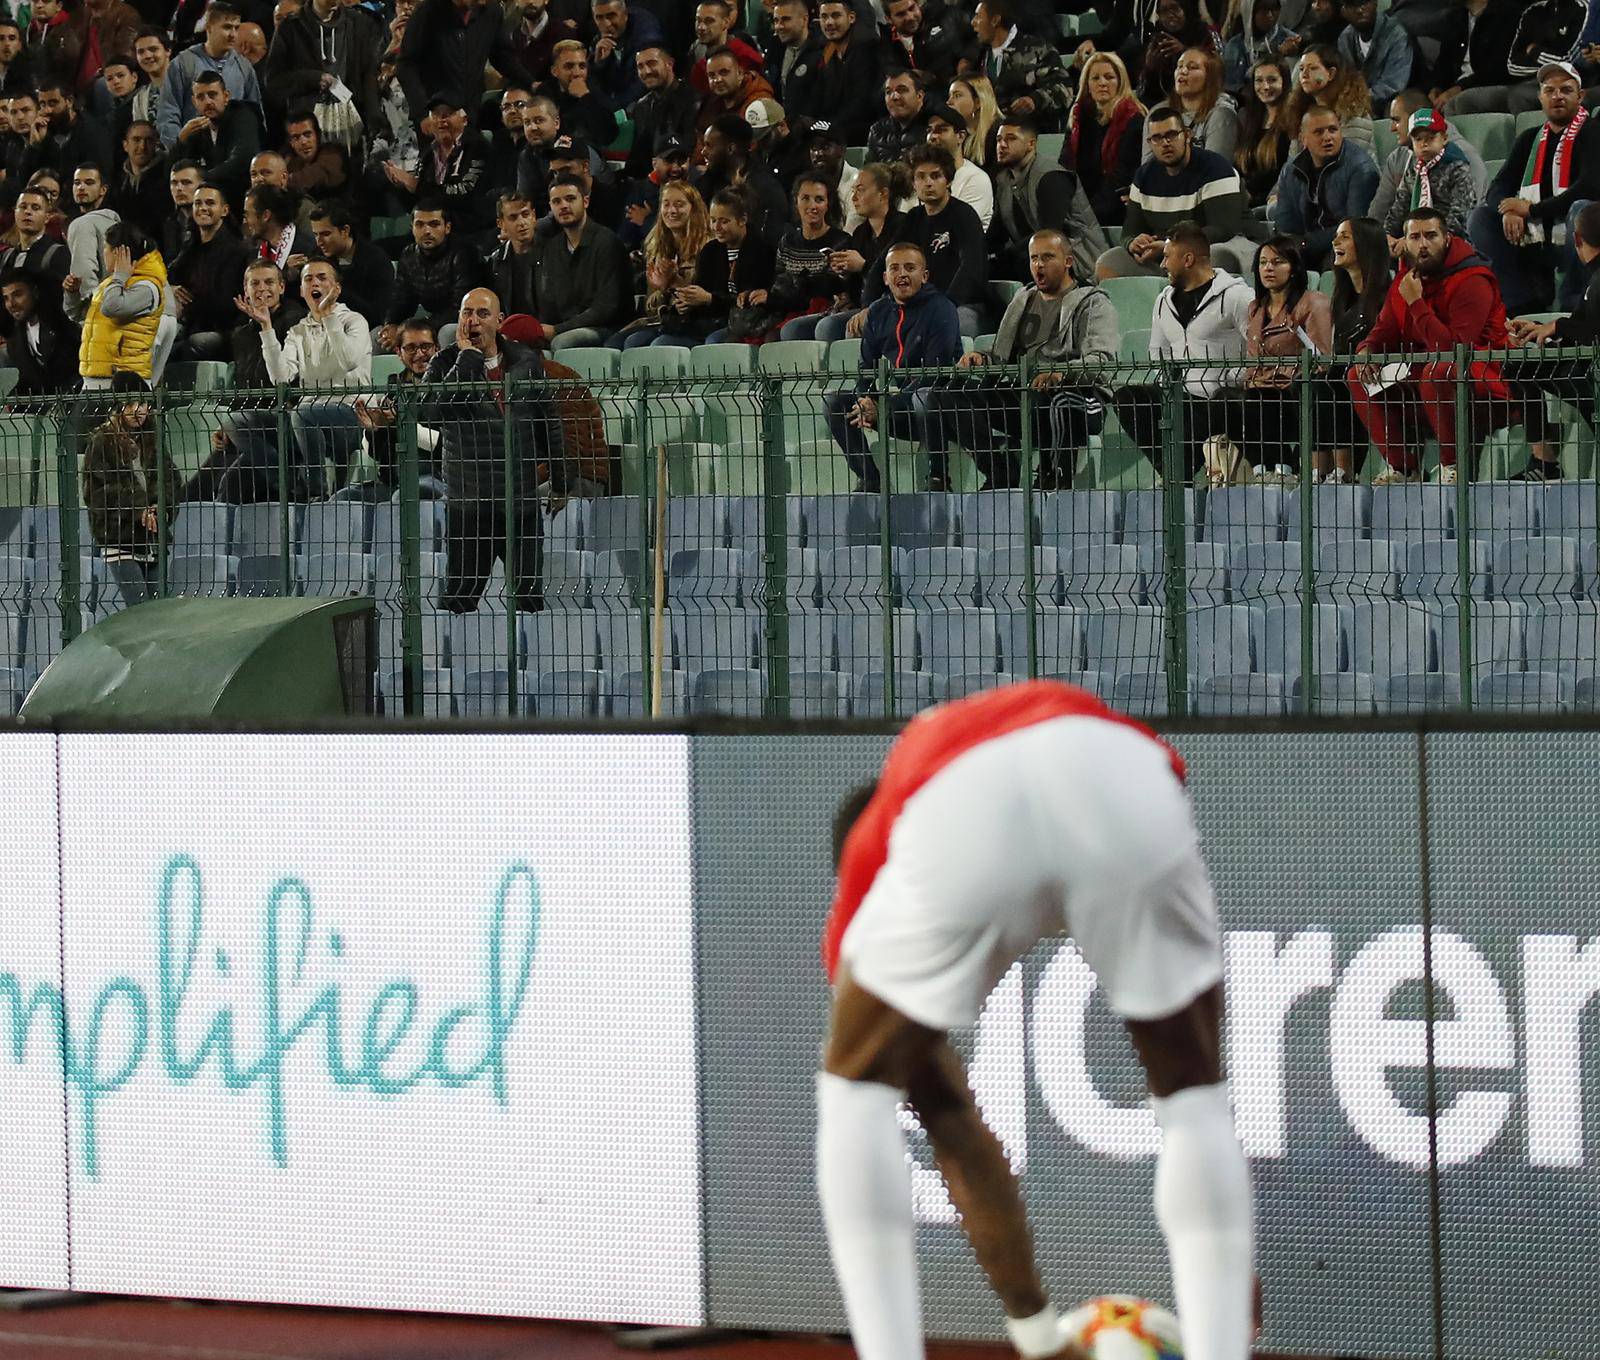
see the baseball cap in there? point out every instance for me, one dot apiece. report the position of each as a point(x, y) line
point(674, 150)
point(1564, 68)
point(569, 146)
point(1427, 120)
point(822, 131)
point(444, 99)
point(763, 115)
point(947, 115)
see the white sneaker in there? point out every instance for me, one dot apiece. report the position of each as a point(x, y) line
point(1392, 476)
point(1447, 474)
point(1338, 477)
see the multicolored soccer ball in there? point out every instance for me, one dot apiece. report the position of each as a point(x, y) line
point(1122, 1327)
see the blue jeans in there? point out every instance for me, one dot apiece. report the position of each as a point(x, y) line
point(1530, 276)
point(906, 413)
point(327, 431)
point(803, 327)
point(832, 327)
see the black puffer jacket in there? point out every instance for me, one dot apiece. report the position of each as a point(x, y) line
point(472, 425)
point(433, 280)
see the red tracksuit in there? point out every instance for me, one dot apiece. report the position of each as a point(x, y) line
point(1461, 305)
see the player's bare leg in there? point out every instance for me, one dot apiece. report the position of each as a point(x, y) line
point(874, 1058)
point(1202, 1180)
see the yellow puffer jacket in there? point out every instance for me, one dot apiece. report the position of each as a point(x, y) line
point(110, 346)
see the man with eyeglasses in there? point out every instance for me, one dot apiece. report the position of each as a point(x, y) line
point(1180, 183)
point(506, 141)
point(418, 344)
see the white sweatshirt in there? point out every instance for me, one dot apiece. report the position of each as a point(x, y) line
point(332, 353)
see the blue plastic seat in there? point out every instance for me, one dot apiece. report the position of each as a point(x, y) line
point(1355, 570)
point(258, 529)
point(615, 522)
point(200, 574)
point(1222, 641)
point(706, 575)
point(568, 574)
point(1106, 576)
point(1412, 693)
point(1504, 508)
point(1141, 693)
point(262, 575)
point(818, 694)
point(335, 572)
point(1524, 692)
point(913, 692)
point(1497, 629)
point(1342, 510)
point(489, 694)
point(1389, 638)
point(1003, 573)
point(940, 578)
point(994, 521)
point(1347, 692)
point(1058, 640)
point(855, 577)
point(201, 527)
point(736, 691)
point(1564, 637)
point(921, 519)
point(561, 641)
point(974, 682)
point(697, 523)
point(1257, 570)
point(1080, 519)
point(1414, 510)
point(564, 694)
point(335, 526)
point(1246, 514)
point(628, 694)
point(614, 582)
point(1431, 569)
point(840, 521)
point(482, 641)
point(1241, 695)
point(1541, 568)
point(951, 641)
point(1125, 640)
point(715, 639)
point(1281, 640)
point(860, 644)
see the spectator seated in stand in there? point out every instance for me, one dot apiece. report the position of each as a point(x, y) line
point(1264, 136)
point(905, 124)
point(1105, 136)
point(733, 265)
point(1571, 379)
point(581, 273)
point(41, 344)
point(1438, 176)
point(970, 184)
point(508, 268)
point(914, 326)
point(1063, 331)
point(1287, 319)
point(1178, 184)
point(877, 189)
point(1327, 182)
point(379, 418)
point(951, 237)
point(1445, 295)
point(432, 270)
point(222, 136)
point(205, 277)
point(1524, 230)
point(1209, 112)
point(366, 277)
point(671, 253)
point(806, 286)
point(1026, 71)
point(1259, 39)
point(1198, 323)
point(1379, 47)
point(1398, 163)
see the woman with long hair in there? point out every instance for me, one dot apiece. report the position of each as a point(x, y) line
point(1105, 136)
point(973, 98)
point(1322, 77)
point(1210, 114)
point(1264, 134)
point(671, 251)
point(878, 188)
point(1362, 272)
point(735, 263)
point(1286, 319)
point(1177, 26)
point(807, 286)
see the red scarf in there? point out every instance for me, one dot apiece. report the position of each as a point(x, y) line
point(1125, 112)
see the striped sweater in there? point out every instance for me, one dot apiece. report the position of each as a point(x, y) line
point(1206, 190)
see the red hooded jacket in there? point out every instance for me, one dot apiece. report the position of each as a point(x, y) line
point(1460, 305)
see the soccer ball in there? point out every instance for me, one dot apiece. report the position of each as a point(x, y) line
point(1122, 1327)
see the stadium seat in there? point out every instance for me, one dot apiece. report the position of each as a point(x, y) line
point(798, 357)
point(1205, 572)
point(201, 527)
point(1240, 695)
point(1347, 692)
point(485, 640)
point(259, 529)
point(13, 688)
point(1497, 627)
point(721, 360)
point(1222, 641)
point(567, 579)
point(625, 638)
point(1282, 641)
point(1413, 510)
point(335, 573)
point(940, 578)
point(560, 641)
point(1544, 567)
point(741, 693)
point(616, 522)
point(1141, 693)
point(386, 366)
point(1003, 573)
point(200, 574)
point(386, 522)
point(489, 694)
point(721, 639)
point(615, 583)
point(860, 575)
point(1504, 508)
point(1491, 133)
point(956, 641)
point(628, 694)
point(818, 694)
point(1134, 298)
point(839, 521)
point(336, 526)
point(1124, 640)
point(844, 356)
point(993, 520)
point(1058, 640)
point(1079, 519)
point(1106, 576)
point(1355, 570)
point(563, 694)
point(436, 700)
point(1345, 510)
point(1257, 570)
point(1431, 569)
point(1524, 692)
point(1246, 514)
point(706, 575)
point(1411, 693)
point(1568, 508)
point(1564, 637)
point(592, 362)
point(920, 519)
point(913, 692)
point(1523, 121)
point(653, 361)
point(1387, 638)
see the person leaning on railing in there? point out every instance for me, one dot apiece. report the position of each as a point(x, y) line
point(1063, 330)
point(1572, 380)
point(1444, 296)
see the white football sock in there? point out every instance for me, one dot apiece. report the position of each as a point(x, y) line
point(864, 1182)
point(1204, 1207)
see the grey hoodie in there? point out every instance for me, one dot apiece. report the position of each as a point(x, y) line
point(1086, 329)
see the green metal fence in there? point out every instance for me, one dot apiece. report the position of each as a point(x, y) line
point(711, 547)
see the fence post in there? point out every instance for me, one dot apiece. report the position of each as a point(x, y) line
point(1463, 524)
point(1025, 456)
point(642, 559)
point(1174, 478)
point(1029, 536)
point(775, 550)
point(69, 453)
point(285, 435)
point(163, 454)
point(513, 559)
point(885, 536)
point(406, 415)
point(1308, 544)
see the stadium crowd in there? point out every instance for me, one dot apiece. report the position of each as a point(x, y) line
point(221, 182)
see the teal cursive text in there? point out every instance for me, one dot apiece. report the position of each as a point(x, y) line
point(127, 1025)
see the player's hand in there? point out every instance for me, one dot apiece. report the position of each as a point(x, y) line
point(1411, 287)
